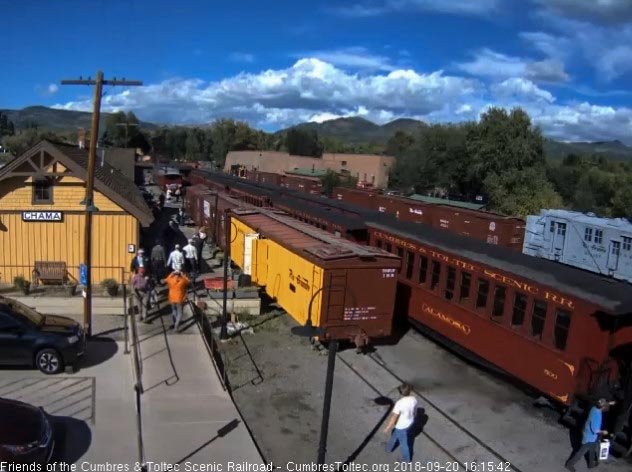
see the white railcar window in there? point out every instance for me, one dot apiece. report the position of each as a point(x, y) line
point(588, 234)
point(627, 243)
point(552, 228)
point(561, 229)
point(616, 247)
point(598, 236)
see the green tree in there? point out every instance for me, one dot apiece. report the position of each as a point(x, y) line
point(23, 141)
point(400, 143)
point(521, 192)
point(302, 142)
point(7, 128)
point(500, 142)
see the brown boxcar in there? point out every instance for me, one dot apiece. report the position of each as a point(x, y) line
point(349, 288)
point(502, 307)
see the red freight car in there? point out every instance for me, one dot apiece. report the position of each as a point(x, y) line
point(164, 176)
point(561, 330)
point(492, 228)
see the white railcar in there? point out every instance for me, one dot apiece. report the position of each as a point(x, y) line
point(602, 245)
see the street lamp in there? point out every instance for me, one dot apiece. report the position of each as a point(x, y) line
point(310, 331)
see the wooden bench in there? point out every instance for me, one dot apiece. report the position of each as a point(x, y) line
point(50, 272)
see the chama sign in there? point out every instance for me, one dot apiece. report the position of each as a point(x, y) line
point(56, 216)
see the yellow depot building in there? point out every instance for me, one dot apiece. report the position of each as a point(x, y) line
point(42, 218)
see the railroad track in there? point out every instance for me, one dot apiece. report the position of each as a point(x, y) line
point(457, 443)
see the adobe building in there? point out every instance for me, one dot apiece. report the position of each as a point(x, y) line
point(42, 217)
point(370, 169)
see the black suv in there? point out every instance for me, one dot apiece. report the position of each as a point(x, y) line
point(47, 342)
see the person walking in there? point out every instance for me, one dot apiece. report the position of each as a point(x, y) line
point(141, 289)
point(198, 243)
point(190, 256)
point(158, 261)
point(176, 259)
point(178, 285)
point(401, 421)
point(181, 217)
point(140, 260)
point(590, 436)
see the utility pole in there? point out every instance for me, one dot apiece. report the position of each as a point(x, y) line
point(88, 200)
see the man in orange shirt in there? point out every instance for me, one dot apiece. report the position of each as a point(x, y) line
point(178, 284)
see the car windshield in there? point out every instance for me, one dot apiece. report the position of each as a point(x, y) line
point(26, 313)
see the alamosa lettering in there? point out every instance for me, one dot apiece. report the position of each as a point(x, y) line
point(446, 319)
point(55, 216)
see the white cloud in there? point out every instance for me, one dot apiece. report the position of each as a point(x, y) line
point(353, 57)
point(52, 88)
point(241, 57)
point(489, 63)
point(521, 89)
point(314, 90)
point(452, 7)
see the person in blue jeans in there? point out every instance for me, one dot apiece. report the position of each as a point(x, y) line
point(401, 421)
point(590, 436)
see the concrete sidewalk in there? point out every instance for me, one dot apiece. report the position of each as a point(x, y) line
point(187, 416)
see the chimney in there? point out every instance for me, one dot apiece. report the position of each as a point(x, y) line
point(82, 138)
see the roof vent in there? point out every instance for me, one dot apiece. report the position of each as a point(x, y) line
point(329, 252)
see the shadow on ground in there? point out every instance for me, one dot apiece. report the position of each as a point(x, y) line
point(72, 439)
point(98, 351)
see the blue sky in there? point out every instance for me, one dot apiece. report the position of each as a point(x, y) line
point(276, 63)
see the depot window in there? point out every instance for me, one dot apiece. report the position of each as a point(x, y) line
point(410, 263)
point(483, 290)
point(538, 317)
point(423, 269)
point(378, 243)
point(43, 191)
point(466, 282)
point(519, 309)
point(450, 283)
point(499, 302)
point(389, 247)
point(562, 325)
point(436, 274)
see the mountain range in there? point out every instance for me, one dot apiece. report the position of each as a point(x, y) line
point(352, 130)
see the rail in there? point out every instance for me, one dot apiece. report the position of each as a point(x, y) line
point(220, 362)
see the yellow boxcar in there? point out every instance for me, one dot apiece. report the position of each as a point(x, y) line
point(345, 288)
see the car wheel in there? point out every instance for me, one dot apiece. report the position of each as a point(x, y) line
point(49, 361)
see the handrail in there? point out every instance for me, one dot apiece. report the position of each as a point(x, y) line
point(138, 384)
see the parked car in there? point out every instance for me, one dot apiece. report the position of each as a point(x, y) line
point(26, 434)
point(47, 342)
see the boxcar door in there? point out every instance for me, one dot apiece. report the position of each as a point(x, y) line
point(613, 256)
point(248, 241)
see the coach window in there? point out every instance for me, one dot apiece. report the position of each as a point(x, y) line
point(410, 263)
point(436, 274)
point(499, 303)
point(483, 291)
point(423, 269)
point(519, 309)
point(450, 283)
point(466, 282)
point(562, 324)
point(538, 317)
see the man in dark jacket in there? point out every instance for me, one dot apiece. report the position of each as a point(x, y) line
point(140, 260)
point(198, 244)
point(158, 260)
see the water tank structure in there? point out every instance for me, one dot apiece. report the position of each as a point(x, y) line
point(601, 245)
